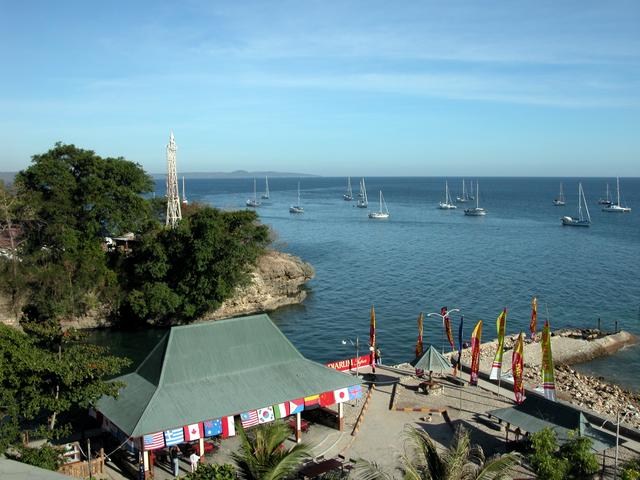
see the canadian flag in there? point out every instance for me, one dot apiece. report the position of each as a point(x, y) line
point(192, 432)
point(341, 395)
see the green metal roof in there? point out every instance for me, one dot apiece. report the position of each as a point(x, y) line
point(214, 369)
point(537, 413)
point(12, 469)
point(432, 359)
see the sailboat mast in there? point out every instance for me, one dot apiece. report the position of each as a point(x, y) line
point(477, 195)
point(184, 193)
point(618, 189)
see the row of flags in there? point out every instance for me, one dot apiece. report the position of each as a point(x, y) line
point(517, 359)
point(225, 426)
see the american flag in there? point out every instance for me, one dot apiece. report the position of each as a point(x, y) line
point(153, 441)
point(249, 419)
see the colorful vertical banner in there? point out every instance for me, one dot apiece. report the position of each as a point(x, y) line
point(476, 338)
point(446, 323)
point(534, 316)
point(419, 344)
point(548, 377)
point(496, 366)
point(517, 366)
point(460, 341)
point(372, 339)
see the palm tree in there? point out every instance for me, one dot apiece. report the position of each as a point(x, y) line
point(262, 454)
point(460, 461)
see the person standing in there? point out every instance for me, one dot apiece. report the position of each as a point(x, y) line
point(175, 460)
point(194, 458)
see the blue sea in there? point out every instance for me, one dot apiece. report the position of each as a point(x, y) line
point(423, 258)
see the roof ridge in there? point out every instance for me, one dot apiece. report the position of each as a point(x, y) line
point(157, 345)
point(222, 320)
point(164, 359)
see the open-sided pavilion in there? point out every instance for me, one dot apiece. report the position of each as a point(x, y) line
point(216, 371)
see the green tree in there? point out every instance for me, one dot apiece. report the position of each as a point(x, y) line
point(544, 459)
point(189, 270)
point(48, 374)
point(574, 459)
point(631, 470)
point(46, 456)
point(263, 456)
point(72, 199)
point(461, 461)
point(212, 471)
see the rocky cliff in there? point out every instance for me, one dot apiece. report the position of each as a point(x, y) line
point(277, 280)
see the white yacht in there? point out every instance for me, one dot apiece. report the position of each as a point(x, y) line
point(464, 197)
point(476, 211)
point(297, 208)
point(616, 207)
point(447, 204)
point(349, 195)
point(582, 220)
point(363, 202)
point(253, 202)
point(383, 213)
point(559, 200)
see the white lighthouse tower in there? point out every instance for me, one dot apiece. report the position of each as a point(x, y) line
point(173, 196)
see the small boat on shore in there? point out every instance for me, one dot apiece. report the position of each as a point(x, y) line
point(383, 213)
point(476, 211)
point(447, 204)
point(297, 208)
point(349, 195)
point(559, 200)
point(616, 207)
point(582, 220)
point(253, 202)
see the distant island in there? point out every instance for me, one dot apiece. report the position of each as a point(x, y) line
point(235, 174)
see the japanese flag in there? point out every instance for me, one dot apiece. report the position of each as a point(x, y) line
point(341, 395)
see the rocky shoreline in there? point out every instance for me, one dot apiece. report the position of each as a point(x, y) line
point(570, 347)
point(277, 280)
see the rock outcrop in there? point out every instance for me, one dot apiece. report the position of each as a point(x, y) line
point(278, 280)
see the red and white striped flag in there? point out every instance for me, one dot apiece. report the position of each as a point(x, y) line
point(249, 419)
point(153, 441)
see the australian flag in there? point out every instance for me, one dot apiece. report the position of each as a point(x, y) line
point(213, 427)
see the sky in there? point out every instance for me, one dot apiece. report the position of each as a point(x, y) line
point(460, 88)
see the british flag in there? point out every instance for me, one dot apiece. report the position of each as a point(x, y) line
point(153, 441)
point(249, 419)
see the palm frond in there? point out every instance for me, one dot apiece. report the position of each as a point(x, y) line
point(366, 470)
point(496, 468)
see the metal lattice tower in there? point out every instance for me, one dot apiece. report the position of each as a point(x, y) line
point(173, 196)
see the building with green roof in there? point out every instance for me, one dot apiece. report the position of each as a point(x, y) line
point(212, 370)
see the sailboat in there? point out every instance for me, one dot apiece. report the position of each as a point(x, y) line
point(607, 199)
point(470, 195)
point(464, 197)
point(184, 193)
point(476, 211)
point(616, 207)
point(559, 201)
point(253, 202)
point(363, 202)
point(297, 208)
point(447, 204)
point(382, 214)
point(582, 220)
point(265, 195)
point(349, 195)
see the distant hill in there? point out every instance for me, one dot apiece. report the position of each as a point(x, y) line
point(7, 177)
point(235, 174)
